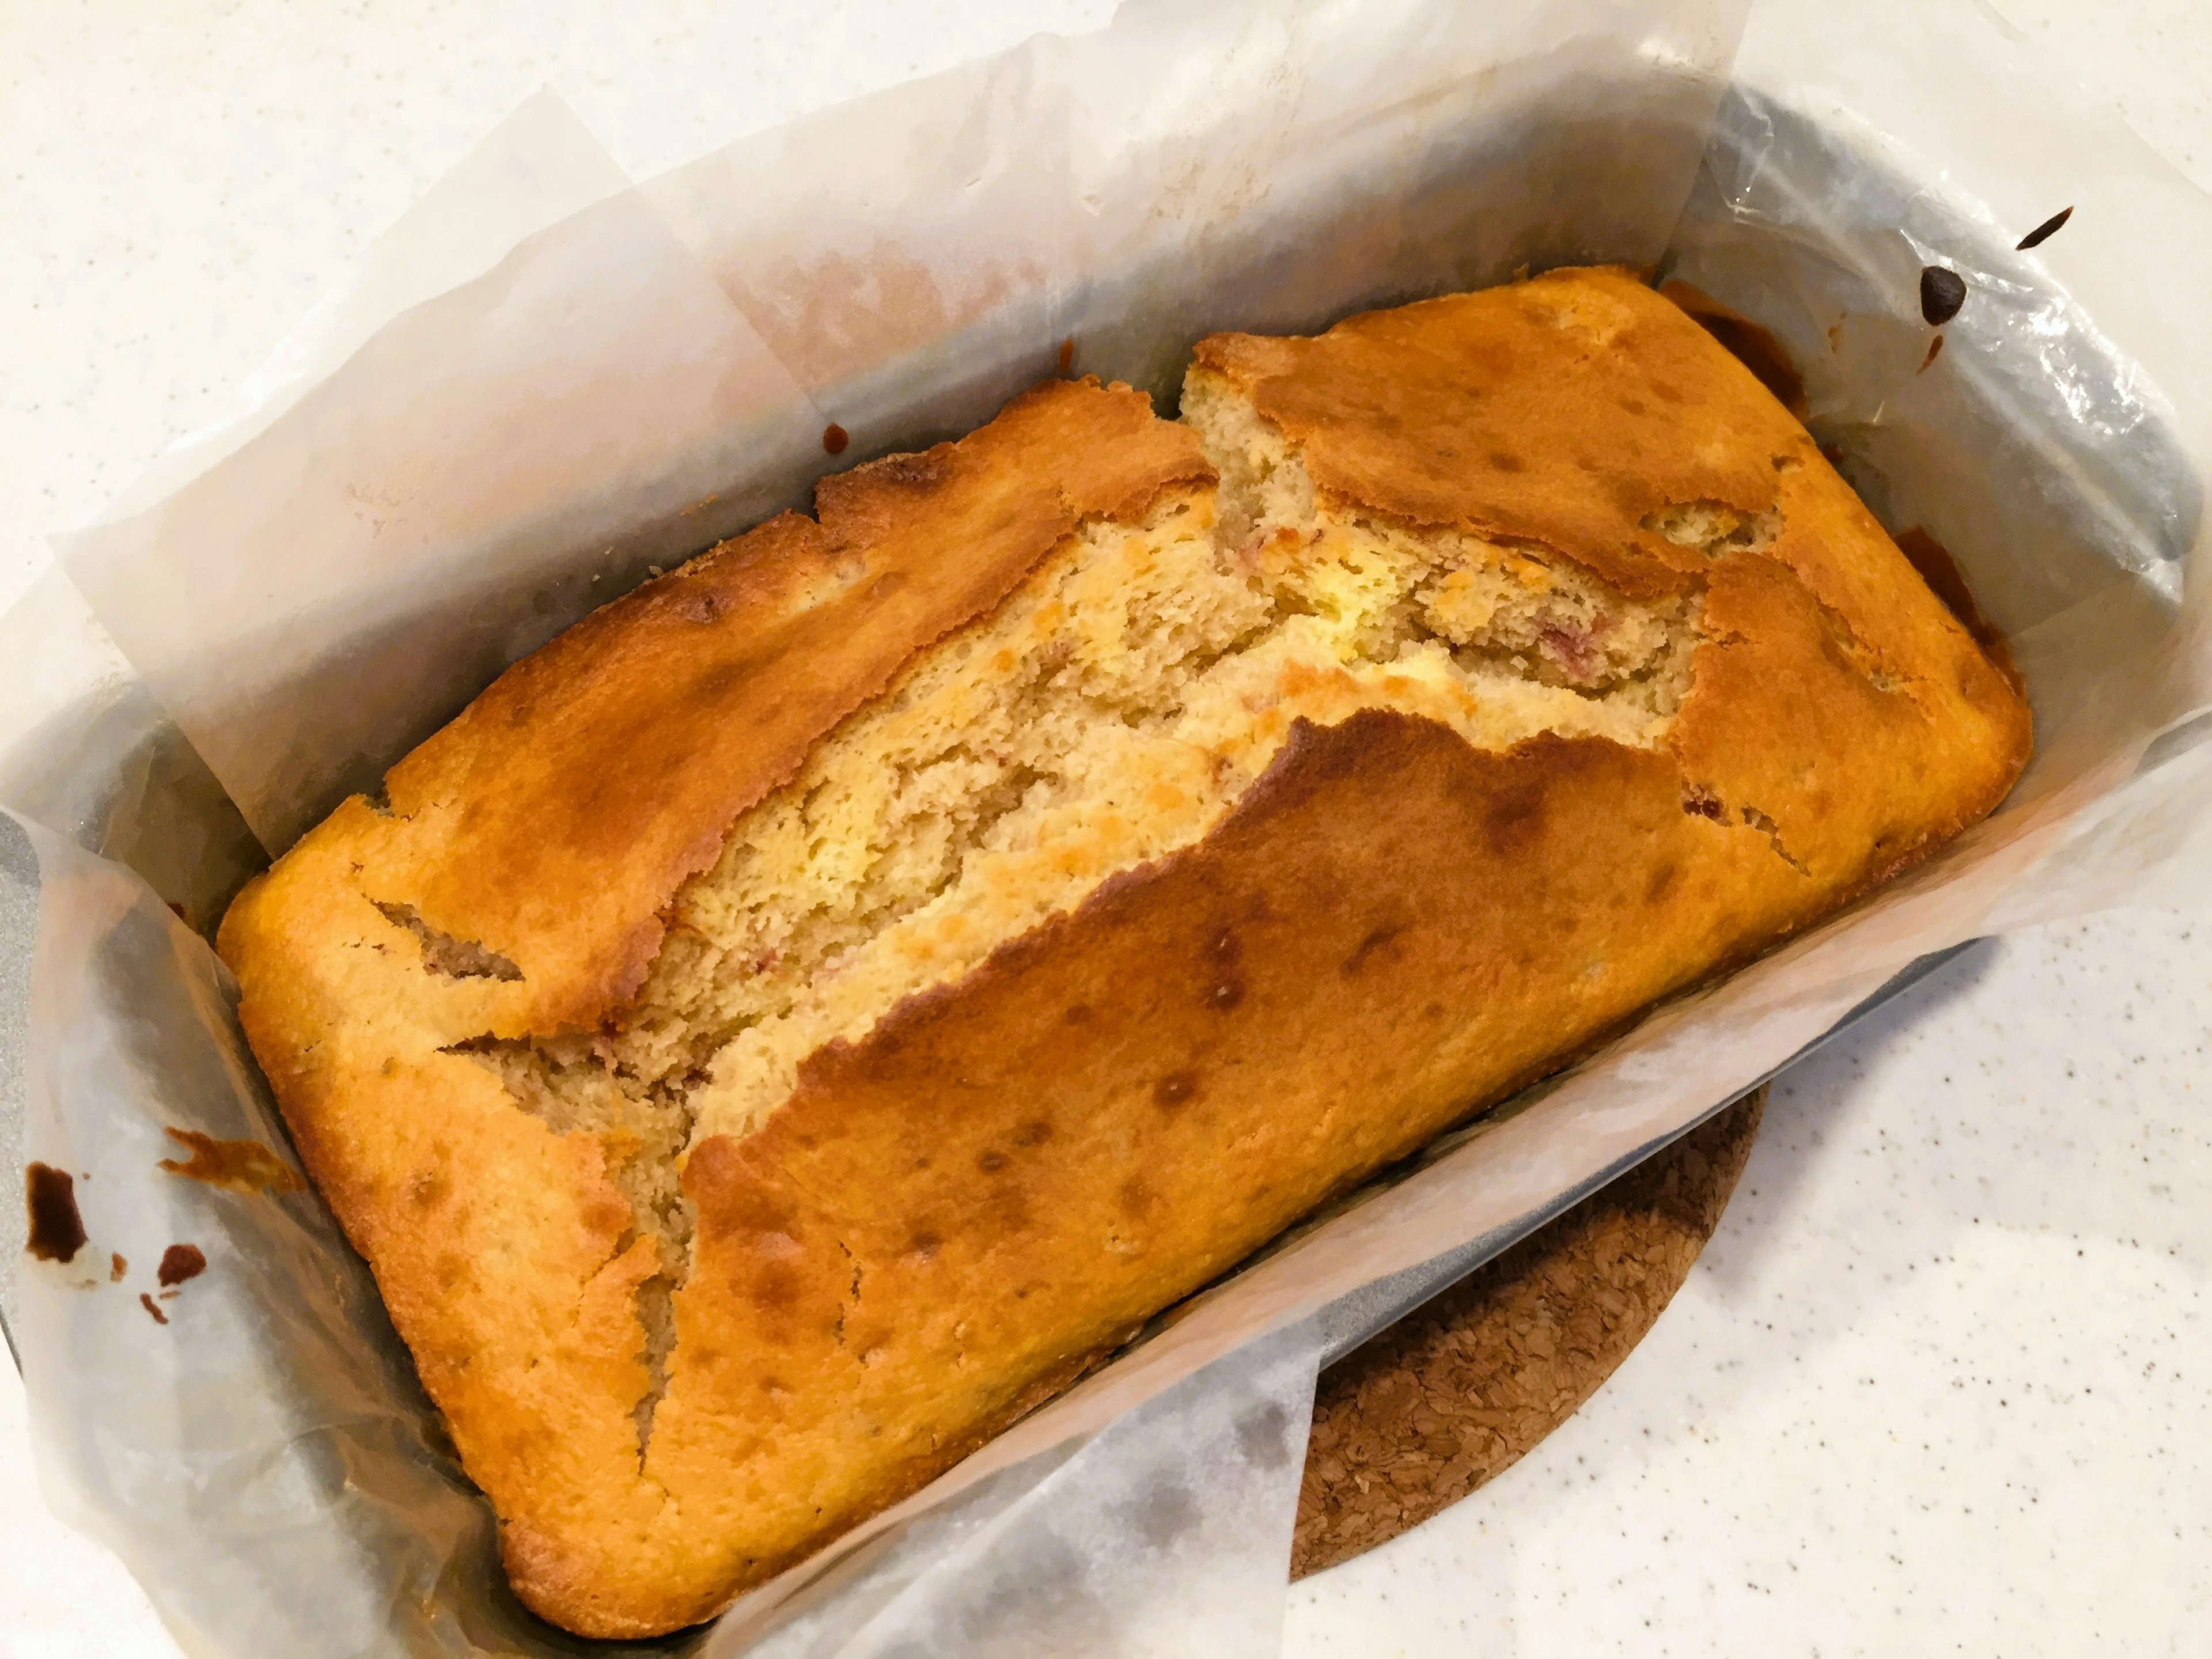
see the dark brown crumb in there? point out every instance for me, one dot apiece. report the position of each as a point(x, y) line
point(1067, 355)
point(2043, 232)
point(1942, 291)
point(180, 1262)
point(835, 438)
point(57, 1231)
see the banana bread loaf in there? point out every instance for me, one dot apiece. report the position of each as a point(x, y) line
point(796, 1020)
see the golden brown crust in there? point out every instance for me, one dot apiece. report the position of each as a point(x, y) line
point(1566, 412)
point(557, 815)
point(951, 1213)
point(1561, 412)
point(1126, 1100)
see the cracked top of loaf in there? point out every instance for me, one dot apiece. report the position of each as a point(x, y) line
point(802, 1016)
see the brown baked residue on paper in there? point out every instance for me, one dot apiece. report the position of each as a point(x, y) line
point(242, 1166)
point(56, 1230)
point(789, 1025)
point(1454, 1393)
point(180, 1262)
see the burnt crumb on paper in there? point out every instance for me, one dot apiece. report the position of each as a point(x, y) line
point(1942, 291)
point(242, 1166)
point(117, 1267)
point(2043, 232)
point(1067, 356)
point(835, 438)
point(1935, 349)
point(57, 1230)
point(147, 1302)
point(180, 1262)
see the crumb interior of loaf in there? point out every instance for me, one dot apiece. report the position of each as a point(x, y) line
point(1109, 712)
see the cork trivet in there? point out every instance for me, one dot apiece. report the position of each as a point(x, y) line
point(1423, 1413)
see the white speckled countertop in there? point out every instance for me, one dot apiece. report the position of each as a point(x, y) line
point(1943, 1383)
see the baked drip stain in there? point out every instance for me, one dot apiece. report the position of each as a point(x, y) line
point(180, 1262)
point(241, 1166)
point(117, 1267)
point(147, 1302)
point(57, 1229)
